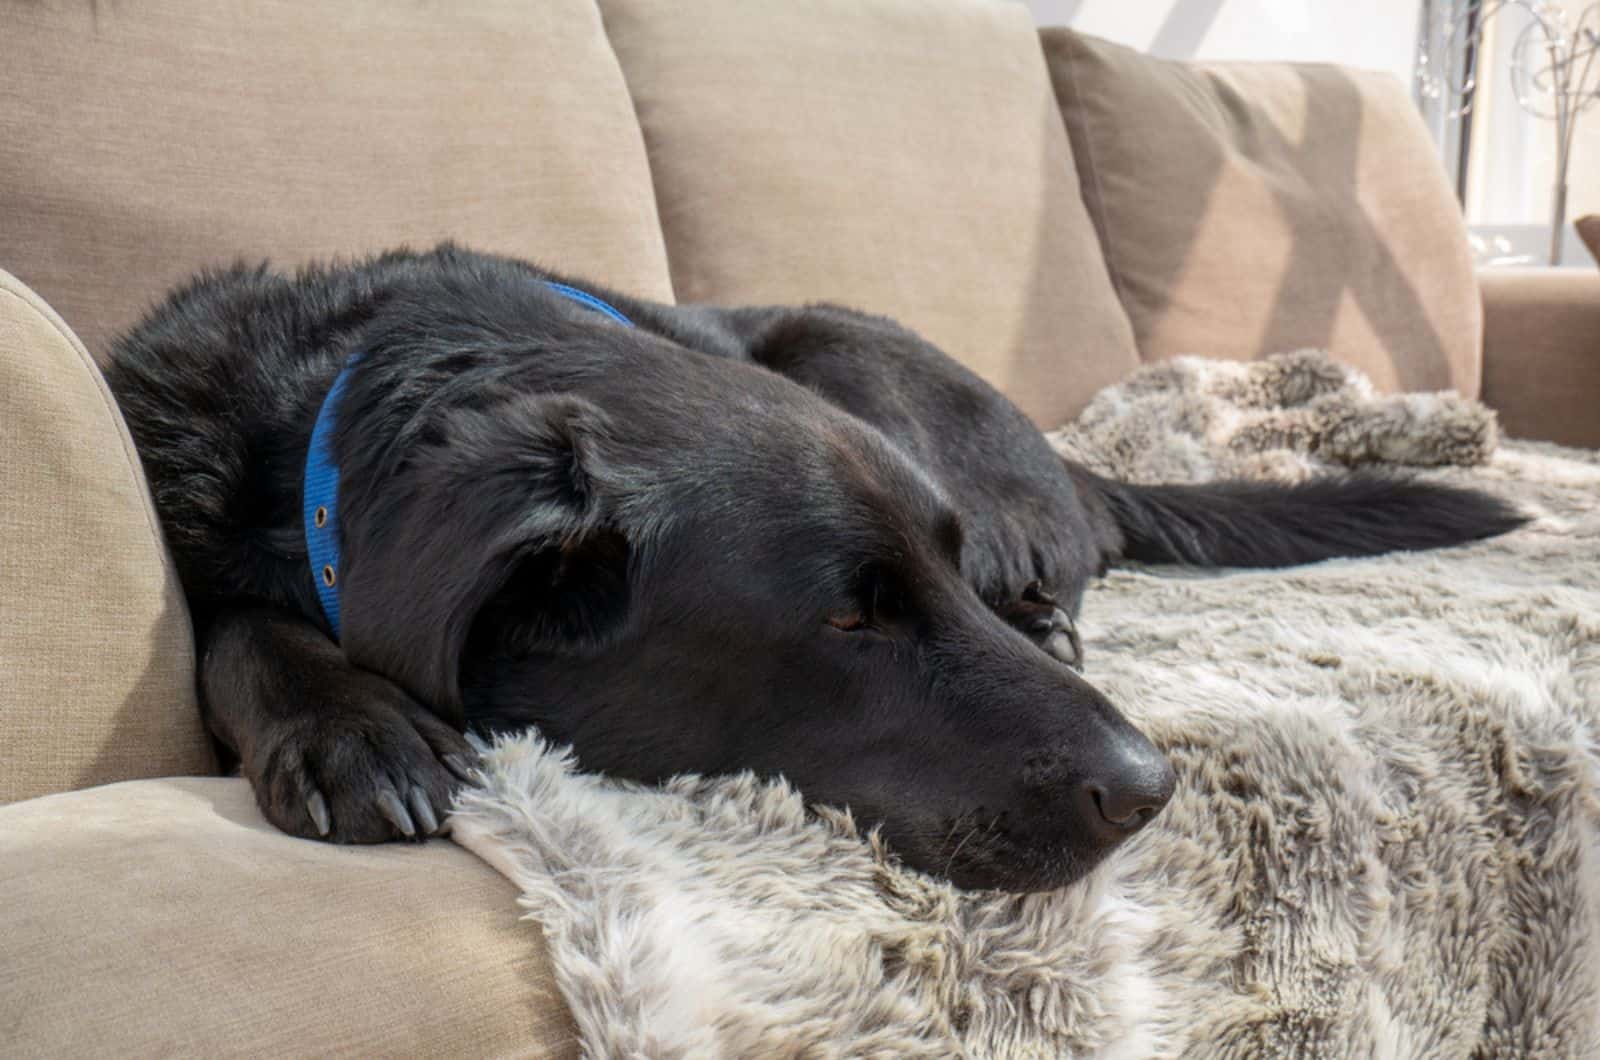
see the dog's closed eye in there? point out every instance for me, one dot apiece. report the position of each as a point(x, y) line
point(880, 605)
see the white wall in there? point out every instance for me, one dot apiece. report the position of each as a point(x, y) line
point(1376, 34)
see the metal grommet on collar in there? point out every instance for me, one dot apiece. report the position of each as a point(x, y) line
point(321, 517)
point(328, 577)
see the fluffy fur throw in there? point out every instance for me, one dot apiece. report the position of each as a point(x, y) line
point(1190, 420)
point(1383, 843)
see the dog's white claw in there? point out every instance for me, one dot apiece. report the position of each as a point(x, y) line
point(422, 811)
point(1064, 643)
point(1060, 646)
point(317, 807)
point(458, 765)
point(394, 811)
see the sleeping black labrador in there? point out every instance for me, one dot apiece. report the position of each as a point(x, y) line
point(800, 541)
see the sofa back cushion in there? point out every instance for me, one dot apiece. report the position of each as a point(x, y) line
point(1248, 209)
point(899, 156)
point(139, 142)
point(96, 658)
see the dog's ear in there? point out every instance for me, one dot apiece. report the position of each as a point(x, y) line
point(560, 596)
point(500, 524)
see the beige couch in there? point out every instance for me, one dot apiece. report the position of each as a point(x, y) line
point(1052, 210)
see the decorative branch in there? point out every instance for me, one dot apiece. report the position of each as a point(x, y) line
point(1554, 74)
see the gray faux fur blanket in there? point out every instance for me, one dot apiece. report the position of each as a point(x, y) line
point(1384, 841)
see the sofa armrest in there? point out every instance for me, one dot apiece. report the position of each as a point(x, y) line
point(96, 656)
point(1541, 352)
point(168, 918)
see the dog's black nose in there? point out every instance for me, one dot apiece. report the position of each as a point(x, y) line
point(1127, 791)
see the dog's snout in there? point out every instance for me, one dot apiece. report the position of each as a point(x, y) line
point(1126, 784)
point(1123, 796)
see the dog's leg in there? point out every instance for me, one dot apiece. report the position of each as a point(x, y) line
point(333, 752)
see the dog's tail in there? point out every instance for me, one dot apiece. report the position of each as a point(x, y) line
point(1262, 524)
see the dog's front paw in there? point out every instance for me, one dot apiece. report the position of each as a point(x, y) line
point(1052, 629)
point(368, 771)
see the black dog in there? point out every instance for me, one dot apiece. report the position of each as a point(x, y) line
point(798, 541)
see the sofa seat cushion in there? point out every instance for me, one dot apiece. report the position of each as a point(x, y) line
point(166, 917)
point(1248, 209)
point(897, 156)
point(96, 655)
point(139, 142)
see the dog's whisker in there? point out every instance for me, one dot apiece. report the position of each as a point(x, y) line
point(957, 851)
point(950, 834)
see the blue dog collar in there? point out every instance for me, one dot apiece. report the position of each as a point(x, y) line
point(320, 490)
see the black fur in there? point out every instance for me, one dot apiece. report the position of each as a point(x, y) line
point(795, 540)
point(1257, 524)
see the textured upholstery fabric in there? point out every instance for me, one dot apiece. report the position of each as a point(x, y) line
point(167, 918)
point(895, 155)
point(96, 656)
point(139, 142)
point(1541, 352)
point(1254, 208)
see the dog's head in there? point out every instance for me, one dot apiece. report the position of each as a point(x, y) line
point(722, 572)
